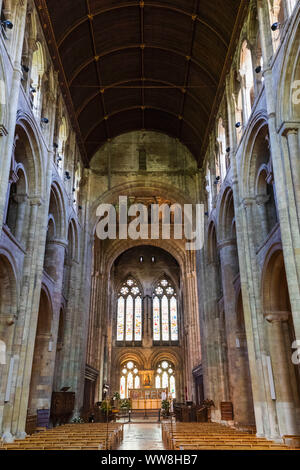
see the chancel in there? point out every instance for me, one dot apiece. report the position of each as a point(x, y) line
point(117, 331)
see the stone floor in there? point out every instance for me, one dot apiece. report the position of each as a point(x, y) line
point(142, 437)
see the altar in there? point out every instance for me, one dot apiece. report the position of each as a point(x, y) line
point(147, 399)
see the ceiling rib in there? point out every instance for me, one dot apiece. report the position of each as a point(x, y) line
point(48, 30)
point(187, 68)
point(190, 73)
point(131, 108)
point(166, 85)
point(142, 61)
point(134, 4)
point(138, 46)
point(103, 109)
point(227, 63)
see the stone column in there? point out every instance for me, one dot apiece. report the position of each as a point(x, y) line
point(240, 393)
point(285, 405)
point(7, 147)
point(261, 201)
point(292, 136)
point(284, 182)
point(21, 213)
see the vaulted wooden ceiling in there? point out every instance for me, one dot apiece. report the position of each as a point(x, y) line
point(128, 65)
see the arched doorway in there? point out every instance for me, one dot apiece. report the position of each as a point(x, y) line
point(284, 377)
point(41, 375)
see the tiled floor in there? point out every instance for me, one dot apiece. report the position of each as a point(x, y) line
point(142, 437)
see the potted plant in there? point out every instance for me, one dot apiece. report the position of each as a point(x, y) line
point(77, 420)
point(165, 405)
point(116, 398)
point(125, 404)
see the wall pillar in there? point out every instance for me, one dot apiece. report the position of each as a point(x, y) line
point(286, 412)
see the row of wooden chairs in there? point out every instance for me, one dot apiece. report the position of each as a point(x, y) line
point(213, 436)
point(92, 436)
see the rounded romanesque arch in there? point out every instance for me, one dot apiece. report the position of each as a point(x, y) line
point(226, 226)
point(289, 84)
point(41, 384)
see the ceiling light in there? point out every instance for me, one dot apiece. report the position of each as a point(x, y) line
point(275, 26)
point(7, 24)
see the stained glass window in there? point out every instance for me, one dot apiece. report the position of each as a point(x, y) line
point(165, 312)
point(120, 328)
point(165, 378)
point(129, 378)
point(156, 319)
point(129, 381)
point(137, 382)
point(138, 319)
point(123, 387)
point(174, 320)
point(129, 312)
point(157, 381)
point(129, 318)
point(172, 386)
point(165, 318)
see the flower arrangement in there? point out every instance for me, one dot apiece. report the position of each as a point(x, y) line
point(125, 404)
point(165, 405)
point(77, 420)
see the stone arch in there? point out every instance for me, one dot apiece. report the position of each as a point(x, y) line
point(8, 316)
point(41, 376)
point(275, 294)
point(8, 296)
point(130, 355)
point(257, 132)
point(276, 308)
point(56, 231)
point(212, 249)
point(258, 183)
point(28, 151)
point(138, 187)
point(73, 239)
point(226, 215)
point(176, 250)
point(57, 208)
point(164, 353)
point(288, 92)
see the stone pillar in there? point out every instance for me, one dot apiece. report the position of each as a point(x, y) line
point(285, 405)
point(20, 222)
point(284, 182)
point(13, 98)
point(240, 393)
point(292, 136)
point(261, 201)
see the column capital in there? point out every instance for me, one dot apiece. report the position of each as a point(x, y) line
point(58, 241)
point(36, 201)
point(248, 202)
point(224, 243)
point(288, 127)
point(262, 199)
point(277, 316)
point(19, 198)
